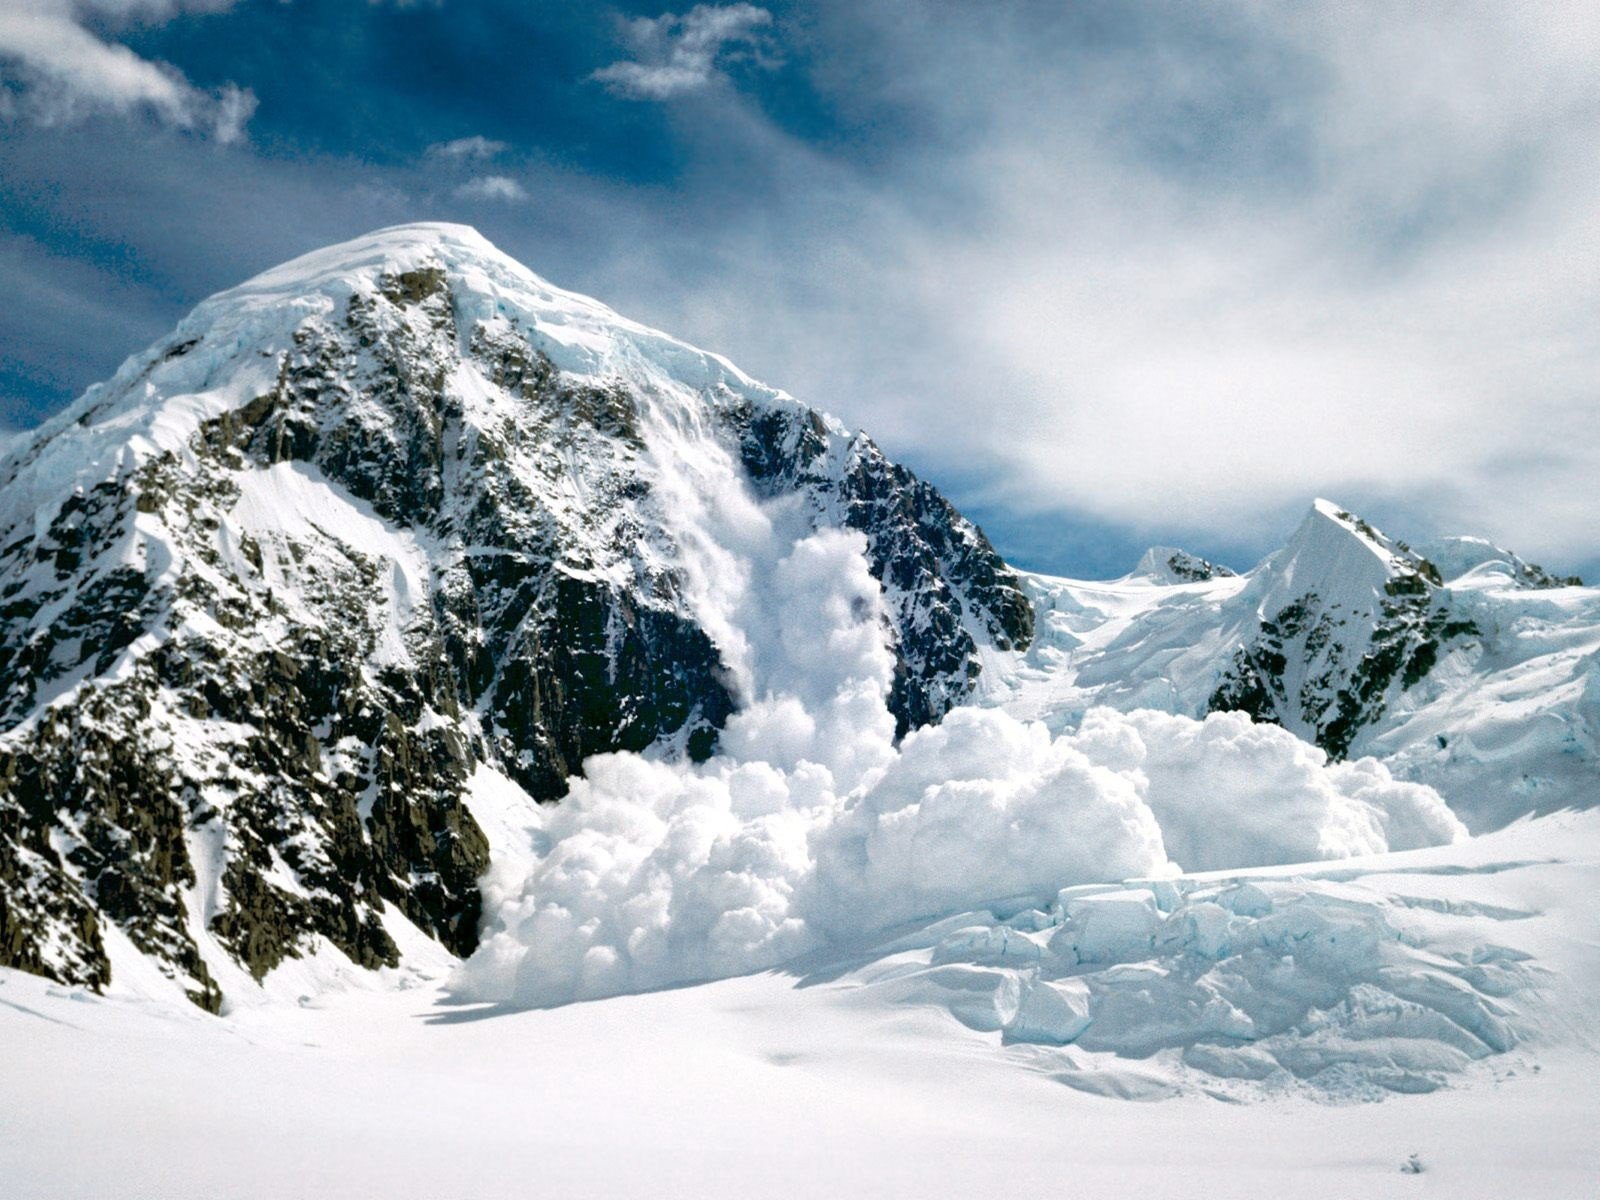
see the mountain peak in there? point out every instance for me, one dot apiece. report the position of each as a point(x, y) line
point(1457, 557)
point(1168, 564)
point(1323, 510)
point(391, 514)
point(391, 250)
point(1343, 560)
point(231, 349)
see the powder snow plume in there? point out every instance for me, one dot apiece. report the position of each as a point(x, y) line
point(812, 828)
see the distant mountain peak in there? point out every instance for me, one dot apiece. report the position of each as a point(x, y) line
point(1459, 556)
point(1168, 564)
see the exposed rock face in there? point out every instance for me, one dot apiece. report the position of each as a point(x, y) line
point(386, 514)
point(941, 578)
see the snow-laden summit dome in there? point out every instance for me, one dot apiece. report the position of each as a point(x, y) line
point(580, 334)
point(228, 350)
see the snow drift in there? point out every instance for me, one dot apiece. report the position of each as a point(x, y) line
point(812, 828)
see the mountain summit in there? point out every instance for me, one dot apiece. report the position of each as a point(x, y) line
point(390, 515)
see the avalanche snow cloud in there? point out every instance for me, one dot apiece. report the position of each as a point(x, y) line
point(813, 829)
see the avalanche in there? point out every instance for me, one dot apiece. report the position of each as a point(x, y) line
point(309, 605)
point(813, 829)
point(387, 519)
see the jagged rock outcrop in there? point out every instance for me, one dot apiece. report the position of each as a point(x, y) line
point(1170, 565)
point(381, 518)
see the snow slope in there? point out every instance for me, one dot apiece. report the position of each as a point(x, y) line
point(1478, 674)
point(843, 1076)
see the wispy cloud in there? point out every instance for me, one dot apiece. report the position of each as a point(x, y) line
point(492, 187)
point(676, 54)
point(1209, 262)
point(58, 71)
point(467, 149)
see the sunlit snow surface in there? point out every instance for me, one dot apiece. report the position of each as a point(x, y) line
point(846, 1074)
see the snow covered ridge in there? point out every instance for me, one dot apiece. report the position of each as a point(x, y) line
point(1457, 664)
point(383, 518)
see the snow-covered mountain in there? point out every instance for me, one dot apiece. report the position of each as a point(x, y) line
point(386, 518)
point(1457, 664)
point(304, 611)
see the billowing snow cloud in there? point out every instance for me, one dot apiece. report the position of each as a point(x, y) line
point(1228, 792)
point(679, 54)
point(59, 71)
point(812, 828)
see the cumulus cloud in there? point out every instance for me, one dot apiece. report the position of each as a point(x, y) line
point(59, 71)
point(812, 828)
point(476, 148)
point(492, 187)
point(679, 54)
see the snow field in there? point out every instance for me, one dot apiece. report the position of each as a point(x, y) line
point(845, 1073)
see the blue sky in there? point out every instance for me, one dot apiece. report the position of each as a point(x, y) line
point(1108, 273)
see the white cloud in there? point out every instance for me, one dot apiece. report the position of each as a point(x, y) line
point(60, 71)
point(492, 187)
point(679, 54)
point(467, 149)
point(1193, 267)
